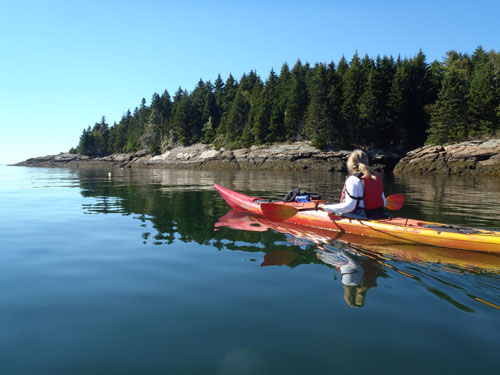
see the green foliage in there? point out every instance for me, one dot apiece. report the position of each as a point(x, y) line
point(469, 98)
point(483, 95)
point(449, 120)
point(94, 142)
point(296, 103)
point(353, 87)
point(364, 103)
point(371, 110)
point(318, 123)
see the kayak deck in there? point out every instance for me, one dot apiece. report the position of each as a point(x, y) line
point(394, 229)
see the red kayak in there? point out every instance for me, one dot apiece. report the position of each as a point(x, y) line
point(394, 229)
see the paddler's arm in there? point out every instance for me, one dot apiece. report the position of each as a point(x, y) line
point(347, 206)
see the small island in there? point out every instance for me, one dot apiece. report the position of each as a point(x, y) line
point(410, 115)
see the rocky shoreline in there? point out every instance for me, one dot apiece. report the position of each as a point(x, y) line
point(480, 157)
point(201, 157)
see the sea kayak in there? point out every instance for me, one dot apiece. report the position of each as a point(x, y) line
point(394, 229)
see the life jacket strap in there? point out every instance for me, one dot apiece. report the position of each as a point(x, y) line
point(357, 199)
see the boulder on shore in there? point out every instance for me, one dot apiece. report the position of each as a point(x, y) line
point(481, 157)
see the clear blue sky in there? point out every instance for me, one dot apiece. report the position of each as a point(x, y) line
point(64, 64)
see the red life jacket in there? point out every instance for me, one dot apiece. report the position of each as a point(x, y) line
point(372, 192)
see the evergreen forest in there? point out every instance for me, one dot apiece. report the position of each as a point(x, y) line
point(365, 102)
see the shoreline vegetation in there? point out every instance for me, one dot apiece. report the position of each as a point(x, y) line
point(394, 104)
point(310, 114)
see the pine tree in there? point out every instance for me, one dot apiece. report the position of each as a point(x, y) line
point(352, 91)
point(166, 114)
point(371, 111)
point(219, 93)
point(417, 98)
point(483, 99)
point(342, 67)
point(449, 121)
point(120, 133)
point(266, 131)
point(180, 120)
point(210, 112)
point(85, 145)
point(153, 134)
point(230, 90)
point(248, 137)
point(237, 117)
point(262, 110)
point(296, 103)
point(334, 83)
point(196, 115)
point(399, 106)
point(318, 123)
point(277, 130)
point(386, 69)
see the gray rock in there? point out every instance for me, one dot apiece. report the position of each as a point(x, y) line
point(479, 157)
point(298, 156)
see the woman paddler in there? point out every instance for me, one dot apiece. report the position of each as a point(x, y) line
point(363, 192)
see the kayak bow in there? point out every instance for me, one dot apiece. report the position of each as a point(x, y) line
point(394, 229)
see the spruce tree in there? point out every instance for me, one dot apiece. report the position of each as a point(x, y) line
point(230, 91)
point(269, 105)
point(352, 91)
point(152, 136)
point(180, 121)
point(371, 111)
point(318, 123)
point(277, 131)
point(399, 106)
point(296, 103)
point(337, 132)
point(166, 114)
point(386, 69)
point(261, 115)
point(219, 93)
point(210, 111)
point(483, 99)
point(417, 98)
point(449, 121)
point(237, 116)
point(263, 109)
point(248, 137)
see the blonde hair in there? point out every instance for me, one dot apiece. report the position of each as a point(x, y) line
point(358, 162)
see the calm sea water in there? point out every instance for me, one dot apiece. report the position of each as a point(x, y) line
point(149, 271)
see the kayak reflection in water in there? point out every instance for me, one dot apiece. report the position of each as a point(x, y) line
point(358, 274)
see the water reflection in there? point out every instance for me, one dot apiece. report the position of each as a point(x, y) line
point(471, 201)
point(358, 273)
point(181, 205)
point(360, 260)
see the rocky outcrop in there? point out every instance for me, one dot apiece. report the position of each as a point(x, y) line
point(480, 157)
point(299, 156)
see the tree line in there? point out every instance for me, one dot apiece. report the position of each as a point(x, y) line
point(364, 102)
